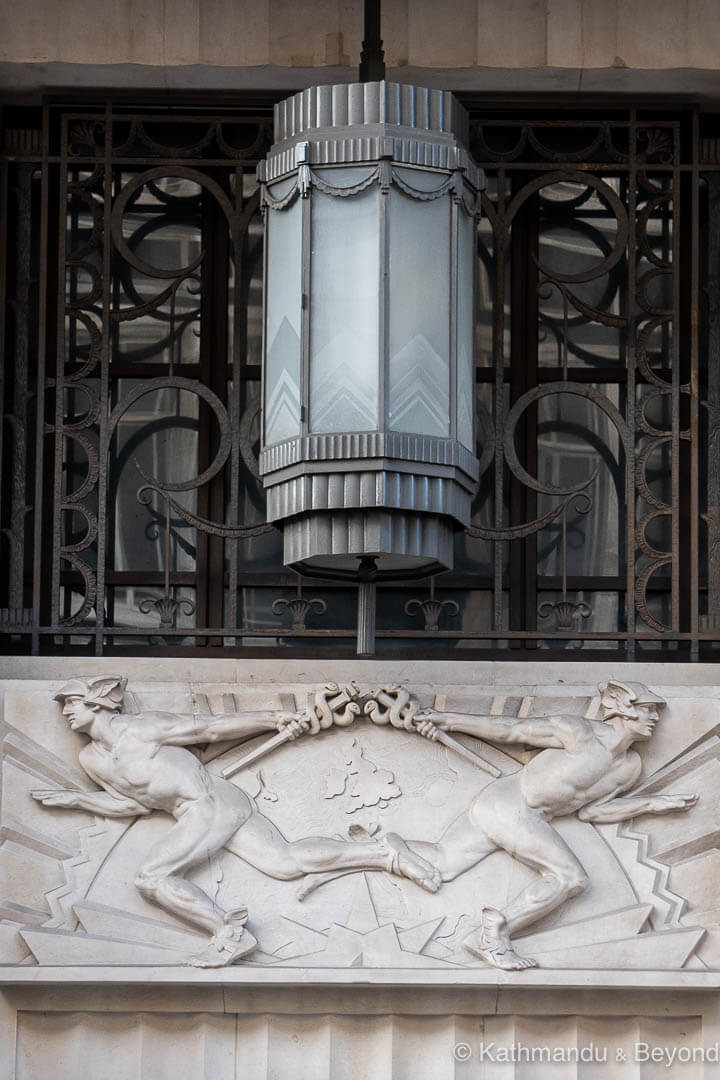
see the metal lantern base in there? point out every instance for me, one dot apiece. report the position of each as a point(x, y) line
point(333, 544)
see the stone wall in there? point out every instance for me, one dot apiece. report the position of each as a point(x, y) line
point(422, 33)
point(357, 1033)
point(561, 46)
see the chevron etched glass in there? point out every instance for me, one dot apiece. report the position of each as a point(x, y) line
point(419, 377)
point(344, 303)
point(283, 326)
point(465, 379)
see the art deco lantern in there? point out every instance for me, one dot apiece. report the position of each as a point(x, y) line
point(370, 201)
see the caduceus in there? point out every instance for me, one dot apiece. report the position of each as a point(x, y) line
point(394, 705)
point(331, 706)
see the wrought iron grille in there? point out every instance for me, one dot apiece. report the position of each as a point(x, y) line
point(132, 514)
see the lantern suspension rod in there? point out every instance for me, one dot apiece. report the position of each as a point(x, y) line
point(372, 58)
point(366, 606)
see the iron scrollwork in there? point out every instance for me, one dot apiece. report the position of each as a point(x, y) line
point(580, 418)
point(635, 249)
point(122, 253)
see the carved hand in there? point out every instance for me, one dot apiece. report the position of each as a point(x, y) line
point(297, 724)
point(56, 797)
point(429, 723)
point(665, 804)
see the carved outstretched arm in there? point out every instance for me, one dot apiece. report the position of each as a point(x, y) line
point(96, 802)
point(332, 705)
point(181, 729)
point(629, 806)
point(541, 731)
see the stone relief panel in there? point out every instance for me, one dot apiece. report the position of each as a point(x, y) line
point(358, 826)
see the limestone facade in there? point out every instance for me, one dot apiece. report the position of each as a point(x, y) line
point(421, 34)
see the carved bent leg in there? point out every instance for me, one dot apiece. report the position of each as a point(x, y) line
point(523, 833)
point(199, 833)
point(261, 844)
point(562, 874)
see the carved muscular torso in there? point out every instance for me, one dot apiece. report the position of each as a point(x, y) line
point(157, 775)
point(557, 782)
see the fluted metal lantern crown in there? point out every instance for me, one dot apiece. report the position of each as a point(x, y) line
point(370, 200)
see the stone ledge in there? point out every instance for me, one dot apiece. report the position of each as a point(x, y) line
point(542, 979)
point(257, 672)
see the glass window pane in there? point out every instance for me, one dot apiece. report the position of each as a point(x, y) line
point(575, 439)
point(162, 227)
point(580, 322)
point(160, 433)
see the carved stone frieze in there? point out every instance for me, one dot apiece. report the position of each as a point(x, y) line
point(358, 826)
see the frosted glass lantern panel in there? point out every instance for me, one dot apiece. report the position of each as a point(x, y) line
point(283, 323)
point(465, 385)
point(419, 390)
point(344, 305)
